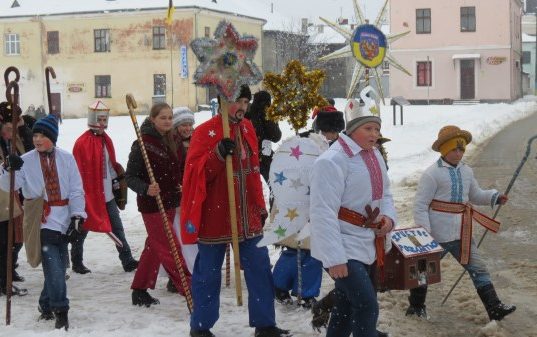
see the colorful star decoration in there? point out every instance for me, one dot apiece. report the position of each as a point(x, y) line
point(295, 152)
point(226, 62)
point(295, 92)
point(296, 183)
point(280, 231)
point(280, 178)
point(291, 214)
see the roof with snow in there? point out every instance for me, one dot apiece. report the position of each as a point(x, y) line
point(415, 241)
point(255, 9)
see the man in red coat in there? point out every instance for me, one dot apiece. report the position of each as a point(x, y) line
point(205, 219)
point(96, 159)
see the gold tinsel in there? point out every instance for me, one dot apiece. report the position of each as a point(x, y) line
point(294, 93)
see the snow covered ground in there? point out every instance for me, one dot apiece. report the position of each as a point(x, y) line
point(101, 301)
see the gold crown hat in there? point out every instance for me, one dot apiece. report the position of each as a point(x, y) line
point(98, 108)
point(357, 115)
point(449, 132)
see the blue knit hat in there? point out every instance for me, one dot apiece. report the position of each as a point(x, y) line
point(48, 126)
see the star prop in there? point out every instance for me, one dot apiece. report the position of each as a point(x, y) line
point(368, 45)
point(280, 231)
point(226, 61)
point(295, 92)
point(291, 214)
point(296, 183)
point(295, 152)
point(279, 178)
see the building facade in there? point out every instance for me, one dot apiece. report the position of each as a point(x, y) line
point(106, 54)
point(458, 50)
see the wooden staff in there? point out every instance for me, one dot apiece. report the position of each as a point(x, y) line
point(48, 72)
point(224, 106)
point(10, 70)
point(13, 99)
point(131, 104)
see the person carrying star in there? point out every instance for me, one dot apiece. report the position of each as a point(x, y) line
point(205, 219)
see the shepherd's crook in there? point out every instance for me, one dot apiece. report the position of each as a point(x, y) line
point(232, 205)
point(13, 99)
point(48, 72)
point(511, 183)
point(131, 104)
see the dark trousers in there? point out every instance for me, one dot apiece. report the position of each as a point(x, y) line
point(125, 255)
point(207, 280)
point(285, 273)
point(54, 253)
point(356, 308)
point(4, 251)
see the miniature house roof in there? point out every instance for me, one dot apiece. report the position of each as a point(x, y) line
point(415, 241)
point(98, 105)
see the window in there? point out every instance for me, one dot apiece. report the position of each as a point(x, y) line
point(423, 21)
point(467, 19)
point(53, 42)
point(159, 85)
point(424, 74)
point(103, 86)
point(102, 40)
point(159, 38)
point(207, 31)
point(526, 57)
point(13, 44)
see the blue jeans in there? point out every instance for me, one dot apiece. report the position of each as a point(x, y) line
point(54, 252)
point(476, 267)
point(207, 279)
point(125, 254)
point(285, 273)
point(356, 309)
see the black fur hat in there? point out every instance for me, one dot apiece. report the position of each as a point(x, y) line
point(329, 120)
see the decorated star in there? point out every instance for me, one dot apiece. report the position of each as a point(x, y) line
point(295, 92)
point(212, 133)
point(280, 178)
point(226, 62)
point(296, 183)
point(291, 214)
point(295, 152)
point(280, 231)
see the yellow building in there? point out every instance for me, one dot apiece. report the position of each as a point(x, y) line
point(105, 49)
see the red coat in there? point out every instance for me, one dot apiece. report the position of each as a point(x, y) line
point(205, 205)
point(89, 156)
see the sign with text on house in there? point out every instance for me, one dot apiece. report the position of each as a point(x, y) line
point(75, 87)
point(184, 62)
point(495, 60)
point(415, 241)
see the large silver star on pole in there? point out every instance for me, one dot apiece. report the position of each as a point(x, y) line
point(368, 45)
point(226, 61)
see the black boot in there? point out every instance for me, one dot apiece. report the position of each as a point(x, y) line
point(141, 297)
point(495, 308)
point(382, 334)
point(273, 331)
point(46, 315)
point(17, 277)
point(321, 310)
point(417, 302)
point(282, 296)
point(131, 265)
point(201, 333)
point(308, 302)
point(62, 322)
point(171, 287)
point(80, 268)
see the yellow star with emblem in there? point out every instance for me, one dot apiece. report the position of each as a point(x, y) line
point(291, 214)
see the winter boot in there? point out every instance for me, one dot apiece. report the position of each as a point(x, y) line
point(495, 308)
point(141, 297)
point(62, 322)
point(17, 277)
point(308, 302)
point(201, 333)
point(382, 334)
point(282, 296)
point(131, 265)
point(80, 268)
point(321, 310)
point(273, 331)
point(46, 315)
point(417, 303)
point(171, 287)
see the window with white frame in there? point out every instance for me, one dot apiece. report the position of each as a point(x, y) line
point(12, 44)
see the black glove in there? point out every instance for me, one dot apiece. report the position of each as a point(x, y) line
point(75, 227)
point(13, 162)
point(226, 147)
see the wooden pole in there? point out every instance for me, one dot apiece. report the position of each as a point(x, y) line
point(131, 104)
point(48, 72)
point(224, 110)
point(13, 99)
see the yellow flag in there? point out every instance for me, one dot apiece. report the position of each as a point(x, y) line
point(169, 16)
